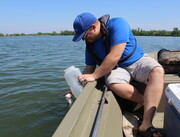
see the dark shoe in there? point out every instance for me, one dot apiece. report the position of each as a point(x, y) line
point(149, 132)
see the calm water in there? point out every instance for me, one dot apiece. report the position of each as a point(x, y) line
point(32, 83)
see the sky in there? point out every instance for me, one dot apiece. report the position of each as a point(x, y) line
point(32, 16)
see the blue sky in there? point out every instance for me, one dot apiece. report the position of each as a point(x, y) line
point(32, 16)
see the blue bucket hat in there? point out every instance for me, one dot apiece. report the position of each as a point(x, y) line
point(81, 24)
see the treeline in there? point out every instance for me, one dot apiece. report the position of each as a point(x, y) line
point(54, 33)
point(136, 32)
point(140, 32)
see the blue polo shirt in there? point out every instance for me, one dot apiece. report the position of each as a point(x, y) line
point(119, 32)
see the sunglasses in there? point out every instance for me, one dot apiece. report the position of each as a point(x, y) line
point(85, 35)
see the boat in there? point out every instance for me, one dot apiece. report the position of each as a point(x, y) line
point(81, 119)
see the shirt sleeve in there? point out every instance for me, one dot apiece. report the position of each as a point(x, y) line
point(118, 31)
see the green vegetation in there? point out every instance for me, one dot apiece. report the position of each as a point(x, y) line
point(140, 32)
point(136, 32)
point(54, 33)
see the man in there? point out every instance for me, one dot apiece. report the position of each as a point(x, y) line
point(122, 62)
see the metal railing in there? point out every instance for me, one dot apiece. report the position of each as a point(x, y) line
point(99, 113)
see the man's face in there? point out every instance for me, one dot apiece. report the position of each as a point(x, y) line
point(91, 34)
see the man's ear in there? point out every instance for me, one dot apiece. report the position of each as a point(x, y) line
point(94, 27)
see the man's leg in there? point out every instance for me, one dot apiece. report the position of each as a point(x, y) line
point(150, 72)
point(118, 81)
point(127, 91)
point(152, 96)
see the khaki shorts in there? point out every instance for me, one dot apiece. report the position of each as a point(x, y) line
point(138, 71)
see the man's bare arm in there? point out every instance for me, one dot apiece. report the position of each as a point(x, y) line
point(110, 61)
point(107, 65)
point(89, 69)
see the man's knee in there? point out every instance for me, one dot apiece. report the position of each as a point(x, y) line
point(157, 72)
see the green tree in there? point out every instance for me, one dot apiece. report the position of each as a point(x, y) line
point(1, 35)
point(53, 33)
point(40, 33)
point(175, 32)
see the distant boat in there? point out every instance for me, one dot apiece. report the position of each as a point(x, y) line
point(82, 116)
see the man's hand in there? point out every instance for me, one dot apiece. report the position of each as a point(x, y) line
point(85, 78)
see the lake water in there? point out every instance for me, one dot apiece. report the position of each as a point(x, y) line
point(32, 80)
